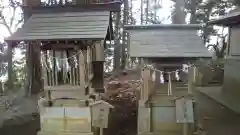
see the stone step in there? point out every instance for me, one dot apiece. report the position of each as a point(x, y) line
point(62, 133)
point(69, 103)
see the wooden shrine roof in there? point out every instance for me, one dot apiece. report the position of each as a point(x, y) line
point(64, 26)
point(166, 40)
point(233, 18)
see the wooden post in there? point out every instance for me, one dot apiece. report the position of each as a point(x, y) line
point(190, 80)
point(145, 91)
point(98, 72)
point(82, 68)
point(99, 50)
point(101, 131)
point(89, 67)
point(45, 70)
point(185, 128)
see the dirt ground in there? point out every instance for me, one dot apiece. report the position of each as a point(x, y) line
point(213, 118)
point(216, 119)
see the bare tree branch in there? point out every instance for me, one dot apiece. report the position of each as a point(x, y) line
point(4, 22)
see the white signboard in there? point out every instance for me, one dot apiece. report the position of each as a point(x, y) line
point(184, 111)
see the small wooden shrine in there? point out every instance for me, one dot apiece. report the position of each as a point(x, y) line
point(69, 40)
point(168, 46)
point(165, 48)
point(65, 42)
point(229, 93)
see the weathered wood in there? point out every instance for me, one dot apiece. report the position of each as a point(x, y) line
point(49, 80)
point(90, 57)
point(99, 46)
point(184, 110)
point(190, 79)
point(31, 3)
point(34, 77)
point(63, 88)
point(77, 8)
point(145, 90)
point(82, 69)
point(100, 112)
point(97, 81)
point(60, 46)
point(45, 69)
point(55, 70)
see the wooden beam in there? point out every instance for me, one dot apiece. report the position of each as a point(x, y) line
point(61, 46)
point(114, 6)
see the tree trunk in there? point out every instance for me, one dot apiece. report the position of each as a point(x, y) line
point(131, 12)
point(179, 14)
point(141, 11)
point(34, 77)
point(117, 48)
point(146, 11)
point(125, 35)
point(193, 8)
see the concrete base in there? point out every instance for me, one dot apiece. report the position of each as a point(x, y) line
point(232, 76)
point(226, 99)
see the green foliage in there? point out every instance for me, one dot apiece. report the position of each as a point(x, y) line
point(204, 10)
point(235, 2)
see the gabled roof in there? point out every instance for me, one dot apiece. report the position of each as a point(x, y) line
point(101, 102)
point(166, 40)
point(233, 18)
point(63, 26)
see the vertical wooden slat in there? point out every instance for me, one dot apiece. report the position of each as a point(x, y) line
point(74, 75)
point(65, 71)
point(45, 70)
point(71, 76)
point(52, 63)
point(82, 68)
point(55, 69)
